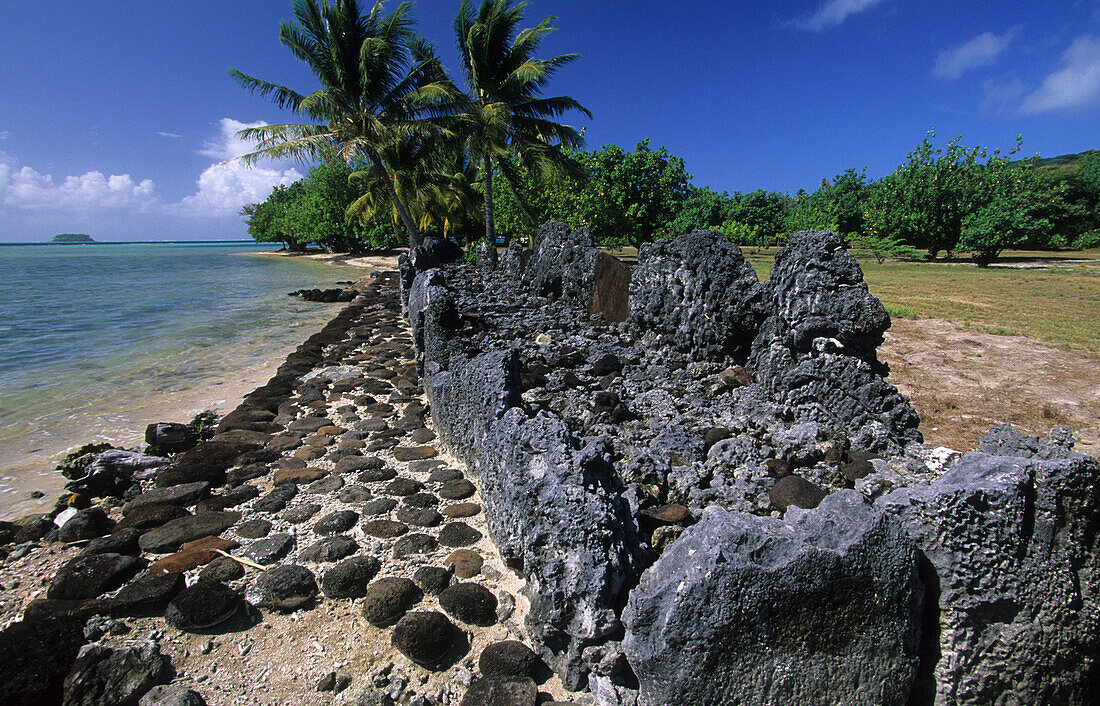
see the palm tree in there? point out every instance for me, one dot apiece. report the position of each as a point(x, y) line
point(380, 84)
point(505, 118)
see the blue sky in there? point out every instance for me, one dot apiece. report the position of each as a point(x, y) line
point(118, 117)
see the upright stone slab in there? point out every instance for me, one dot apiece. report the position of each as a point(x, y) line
point(821, 606)
point(700, 292)
point(563, 263)
point(1010, 547)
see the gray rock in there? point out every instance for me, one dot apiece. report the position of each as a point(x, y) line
point(85, 524)
point(746, 609)
point(350, 578)
point(269, 549)
point(91, 575)
point(277, 499)
point(329, 549)
point(336, 522)
point(700, 292)
point(202, 605)
point(563, 263)
point(105, 677)
point(511, 262)
point(171, 695)
point(489, 691)
point(184, 494)
point(286, 587)
point(1010, 551)
point(170, 536)
point(485, 257)
point(300, 513)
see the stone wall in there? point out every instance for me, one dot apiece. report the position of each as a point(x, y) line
point(717, 498)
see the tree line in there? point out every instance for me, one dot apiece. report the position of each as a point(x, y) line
point(405, 153)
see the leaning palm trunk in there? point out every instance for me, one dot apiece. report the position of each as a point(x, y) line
point(415, 240)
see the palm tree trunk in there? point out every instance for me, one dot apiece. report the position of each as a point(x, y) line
point(490, 227)
point(414, 235)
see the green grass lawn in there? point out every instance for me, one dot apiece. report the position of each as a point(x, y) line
point(1058, 302)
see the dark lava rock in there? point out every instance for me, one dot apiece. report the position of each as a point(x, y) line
point(379, 506)
point(462, 510)
point(563, 263)
point(328, 484)
point(421, 517)
point(350, 464)
point(376, 475)
point(150, 516)
point(465, 562)
point(403, 486)
point(424, 637)
point(34, 659)
point(471, 603)
point(102, 676)
point(170, 536)
point(236, 476)
point(414, 453)
point(206, 462)
point(713, 435)
point(309, 424)
point(269, 550)
point(202, 605)
point(429, 466)
point(443, 475)
point(277, 499)
point(170, 437)
point(498, 691)
point(387, 599)
point(795, 490)
point(253, 529)
point(222, 569)
point(458, 534)
point(172, 695)
point(457, 489)
point(237, 496)
point(384, 529)
point(350, 578)
point(148, 595)
point(91, 575)
point(182, 494)
point(285, 587)
point(300, 513)
point(510, 658)
point(432, 579)
point(329, 549)
point(85, 524)
point(121, 541)
point(420, 500)
point(778, 467)
point(354, 494)
point(653, 517)
point(415, 543)
point(336, 522)
point(421, 436)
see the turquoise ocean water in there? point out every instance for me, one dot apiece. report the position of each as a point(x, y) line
point(98, 340)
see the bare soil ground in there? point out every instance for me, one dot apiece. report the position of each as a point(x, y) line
point(961, 381)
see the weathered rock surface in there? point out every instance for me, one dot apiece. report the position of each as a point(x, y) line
point(102, 676)
point(744, 609)
point(562, 263)
point(285, 587)
point(1010, 554)
point(171, 536)
point(35, 657)
point(202, 605)
point(91, 575)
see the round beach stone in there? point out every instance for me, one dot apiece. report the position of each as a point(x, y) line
point(421, 517)
point(432, 579)
point(384, 529)
point(458, 534)
point(357, 462)
point(202, 605)
point(421, 436)
point(459, 489)
point(328, 484)
point(462, 510)
point(222, 569)
point(424, 637)
point(350, 578)
point(466, 562)
point(384, 444)
point(389, 598)
point(329, 549)
point(309, 453)
point(415, 543)
point(379, 506)
point(445, 475)
point(509, 658)
point(285, 587)
point(470, 602)
point(403, 486)
point(90, 575)
point(269, 550)
point(795, 490)
point(414, 453)
point(152, 515)
point(420, 500)
point(300, 513)
point(277, 499)
point(377, 475)
point(354, 494)
point(253, 529)
point(427, 466)
point(336, 522)
point(85, 524)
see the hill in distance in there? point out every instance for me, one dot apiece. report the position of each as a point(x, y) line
point(72, 238)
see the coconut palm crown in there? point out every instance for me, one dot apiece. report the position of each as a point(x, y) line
point(505, 119)
point(380, 84)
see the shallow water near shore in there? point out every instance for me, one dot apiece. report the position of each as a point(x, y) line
point(97, 341)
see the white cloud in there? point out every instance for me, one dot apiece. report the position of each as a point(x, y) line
point(228, 145)
point(168, 134)
point(4, 134)
point(832, 13)
point(982, 50)
point(27, 189)
point(1074, 85)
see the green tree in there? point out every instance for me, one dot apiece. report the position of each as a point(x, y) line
point(764, 212)
point(380, 82)
point(702, 209)
point(504, 116)
point(1014, 209)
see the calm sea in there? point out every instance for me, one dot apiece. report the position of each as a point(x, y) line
point(98, 340)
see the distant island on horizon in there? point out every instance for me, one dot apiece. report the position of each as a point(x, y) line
point(72, 238)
